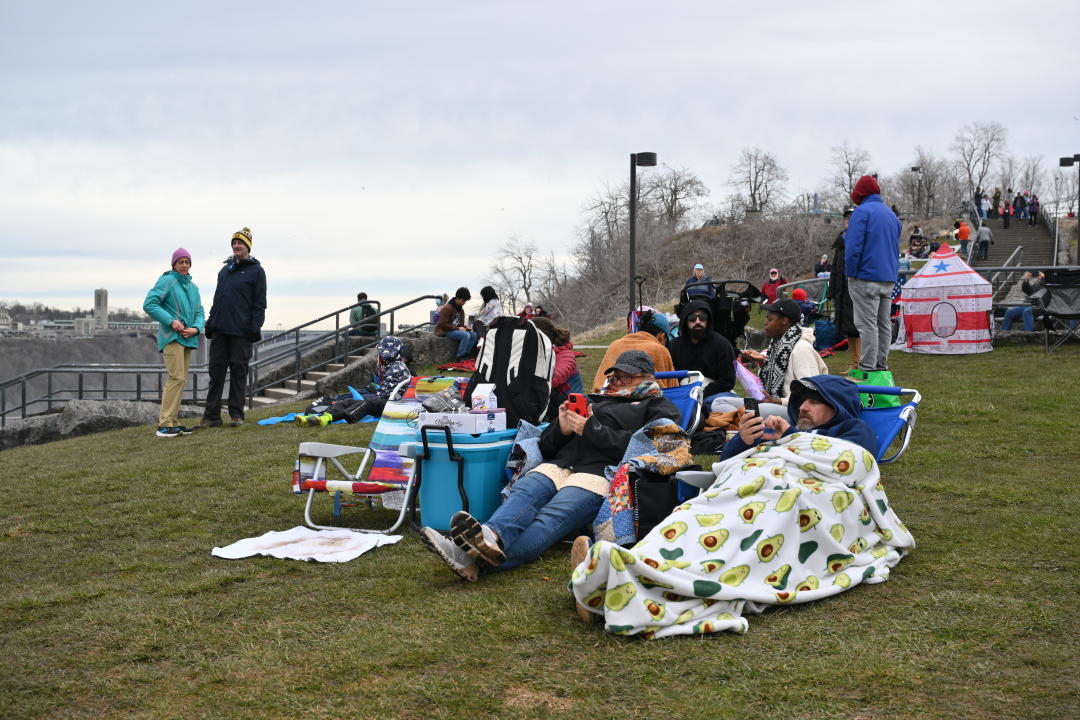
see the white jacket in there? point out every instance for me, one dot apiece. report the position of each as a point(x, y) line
point(805, 362)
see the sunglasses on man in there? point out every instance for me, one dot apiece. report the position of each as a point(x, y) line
point(698, 317)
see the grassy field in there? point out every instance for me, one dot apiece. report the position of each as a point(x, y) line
point(111, 605)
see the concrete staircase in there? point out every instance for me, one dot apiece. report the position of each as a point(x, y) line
point(1037, 241)
point(290, 389)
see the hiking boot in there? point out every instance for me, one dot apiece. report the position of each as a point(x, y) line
point(167, 432)
point(236, 421)
point(455, 558)
point(579, 551)
point(208, 423)
point(479, 541)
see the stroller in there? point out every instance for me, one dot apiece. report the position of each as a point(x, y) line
point(730, 306)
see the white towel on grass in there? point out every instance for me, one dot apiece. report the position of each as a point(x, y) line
point(303, 543)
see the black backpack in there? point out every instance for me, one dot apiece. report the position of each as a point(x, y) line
point(519, 360)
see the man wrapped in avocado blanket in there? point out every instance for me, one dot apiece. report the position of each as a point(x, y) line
point(786, 521)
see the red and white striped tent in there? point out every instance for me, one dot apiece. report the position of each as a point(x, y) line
point(946, 308)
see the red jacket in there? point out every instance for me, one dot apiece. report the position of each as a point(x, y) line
point(565, 367)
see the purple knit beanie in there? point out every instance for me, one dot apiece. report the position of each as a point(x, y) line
point(180, 253)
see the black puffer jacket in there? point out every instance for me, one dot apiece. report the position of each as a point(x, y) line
point(712, 355)
point(607, 433)
point(239, 300)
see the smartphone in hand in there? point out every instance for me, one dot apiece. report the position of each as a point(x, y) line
point(751, 404)
point(575, 402)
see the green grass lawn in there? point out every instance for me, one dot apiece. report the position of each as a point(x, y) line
point(111, 605)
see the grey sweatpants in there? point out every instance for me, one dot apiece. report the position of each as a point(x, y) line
point(871, 302)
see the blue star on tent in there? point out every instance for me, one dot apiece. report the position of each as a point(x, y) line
point(942, 266)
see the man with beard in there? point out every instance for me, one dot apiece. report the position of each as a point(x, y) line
point(701, 348)
point(821, 404)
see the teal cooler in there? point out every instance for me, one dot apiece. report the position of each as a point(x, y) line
point(479, 460)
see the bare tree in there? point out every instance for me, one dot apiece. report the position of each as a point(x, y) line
point(673, 194)
point(977, 145)
point(514, 273)
point(759, 179)
point(1007, 173)
point(1065, 181)
point(1032, 175)
point(849, 163)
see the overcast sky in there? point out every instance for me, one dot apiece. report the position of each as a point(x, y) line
point(392, 148)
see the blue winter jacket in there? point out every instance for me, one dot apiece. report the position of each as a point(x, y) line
point(239, 300)
point(175, 297)
point(841, 394)
point(872, 242)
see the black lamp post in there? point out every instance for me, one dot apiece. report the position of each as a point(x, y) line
point(643, 159)
point(918, 189)
point(1069, 162)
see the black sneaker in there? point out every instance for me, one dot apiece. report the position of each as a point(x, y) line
point(236, 422)
point(206, 423)
point(185, 430)
point(167, 432)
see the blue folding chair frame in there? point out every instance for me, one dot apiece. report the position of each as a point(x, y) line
point(688, 396)
point(888, 422)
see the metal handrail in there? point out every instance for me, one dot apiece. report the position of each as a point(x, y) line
point(1017, 253)
point(194, 388)
point(59, 396)
point(298, 348)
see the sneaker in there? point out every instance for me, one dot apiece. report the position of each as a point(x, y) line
point(185, 430)
point(207, 423)
point(479, 541)
point(455, 558)
point(236, 422)
point(167, 432)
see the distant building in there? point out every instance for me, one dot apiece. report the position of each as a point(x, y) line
point(101, 308)
point(84, 326)
point(5, 319)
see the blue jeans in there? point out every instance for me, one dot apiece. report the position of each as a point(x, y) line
point(1015, 313)
point(466, 341)
point(535, 517)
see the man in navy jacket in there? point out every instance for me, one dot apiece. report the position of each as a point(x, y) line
point(871, 261)
point(821, 404)
point(235, 322)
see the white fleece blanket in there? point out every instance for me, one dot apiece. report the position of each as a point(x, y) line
point(303, 543)
point(787, 522)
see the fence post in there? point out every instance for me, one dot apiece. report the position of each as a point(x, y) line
point(23, 387)
point(104, 385)
point(48, 397)
point(80, 385)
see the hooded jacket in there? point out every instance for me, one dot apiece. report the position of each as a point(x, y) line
point(699, 290)
point(175, 297)
point(639, 340)
point(872, 242)
point(239, 300)
point(843, 395)
point(713, 355)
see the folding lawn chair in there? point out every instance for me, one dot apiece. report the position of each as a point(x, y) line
point(890, 422)
point(1058, 302)
point(887, 423)
point(687, 396)
point(390, 468)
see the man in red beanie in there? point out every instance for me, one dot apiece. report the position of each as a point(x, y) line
point(871, 263)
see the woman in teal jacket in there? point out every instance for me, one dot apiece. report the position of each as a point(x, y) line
point(174, 302)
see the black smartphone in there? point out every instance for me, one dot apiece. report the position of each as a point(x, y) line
point(751, 404)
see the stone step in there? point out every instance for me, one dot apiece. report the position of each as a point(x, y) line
point(334, 367)
point(316, 374)
point(279, 393)
point(260, 400)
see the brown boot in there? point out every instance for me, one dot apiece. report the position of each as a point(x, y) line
point(855, 348)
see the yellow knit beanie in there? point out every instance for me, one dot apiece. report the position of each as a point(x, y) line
point(243, 236)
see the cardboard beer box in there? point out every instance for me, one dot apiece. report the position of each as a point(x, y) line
point(472, 423)
point(483, 397)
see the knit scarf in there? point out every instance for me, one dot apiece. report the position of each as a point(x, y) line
point(641, 391)
point(779, 357)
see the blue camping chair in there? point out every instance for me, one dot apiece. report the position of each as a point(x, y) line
point(887, 423)
point(890, 422)
point(688, 396)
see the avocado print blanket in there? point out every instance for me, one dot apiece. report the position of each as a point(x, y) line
point(787, 522)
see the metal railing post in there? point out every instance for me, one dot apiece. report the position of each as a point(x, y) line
point(104, 385)
point(48, 385)
point(80, 385)
point(23, 386)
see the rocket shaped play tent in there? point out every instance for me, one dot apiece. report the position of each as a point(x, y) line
point(946, 308)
